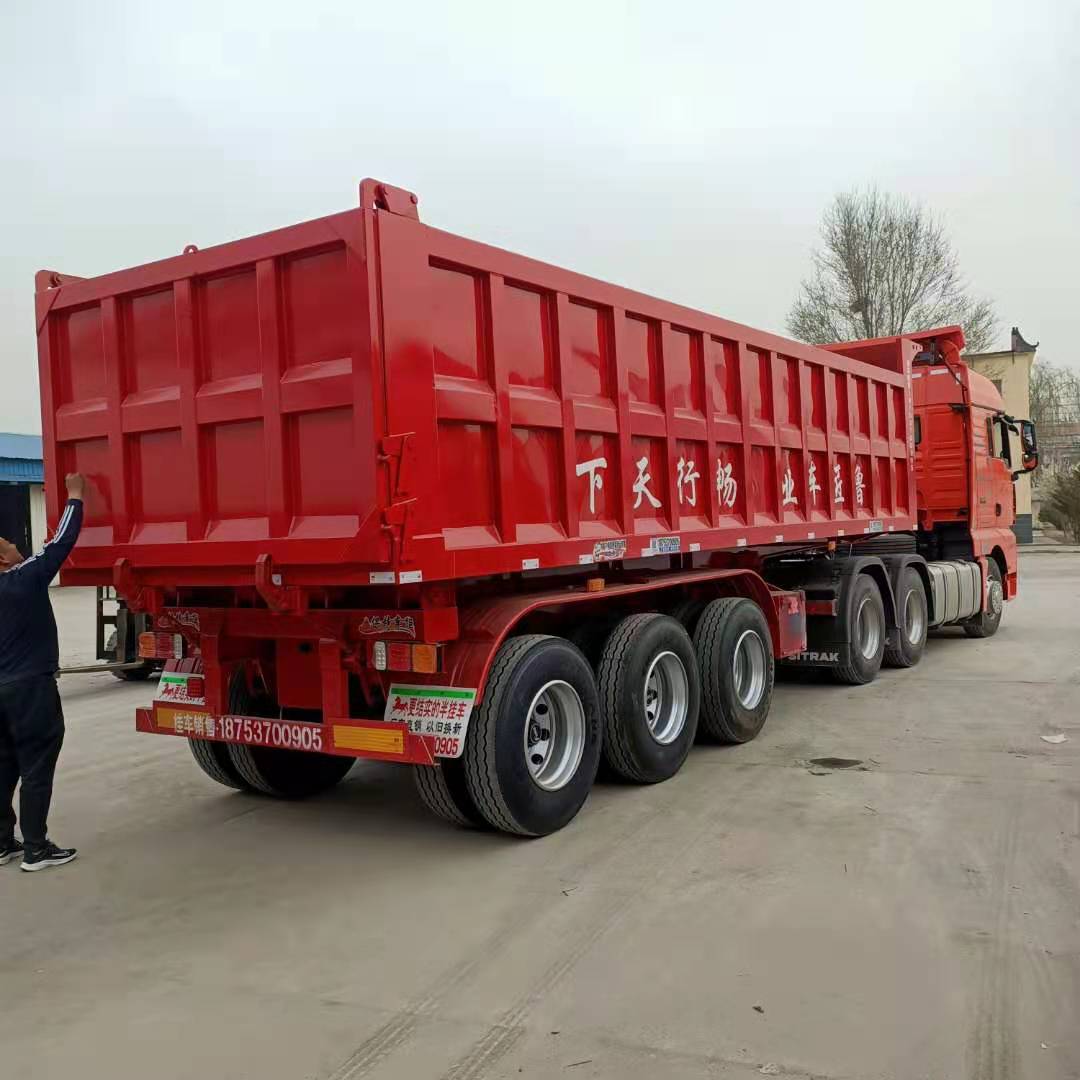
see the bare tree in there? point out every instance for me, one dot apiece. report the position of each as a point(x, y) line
point(1054, 405)
point(1054, 394)
point(886, 266)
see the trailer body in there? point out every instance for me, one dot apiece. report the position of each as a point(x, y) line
point(365, 396)
point(366, 479)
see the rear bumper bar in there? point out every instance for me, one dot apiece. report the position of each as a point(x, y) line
point(376, 740)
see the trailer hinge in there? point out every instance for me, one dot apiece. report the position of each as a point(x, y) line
point(270, 585)
point(375, 195)
point(397, 453)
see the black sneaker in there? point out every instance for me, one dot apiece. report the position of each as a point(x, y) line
point(43, 857)
point(10, 849)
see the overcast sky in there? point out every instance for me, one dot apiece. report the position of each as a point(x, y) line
point(685, 149)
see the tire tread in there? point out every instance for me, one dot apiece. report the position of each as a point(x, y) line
point(479, 756)
point(208, 761)
point(435, 794)
point(713, 718)
point(617, 748)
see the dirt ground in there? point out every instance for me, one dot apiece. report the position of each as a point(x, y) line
point(912, 911)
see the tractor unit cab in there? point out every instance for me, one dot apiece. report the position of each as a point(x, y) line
point(968, 453)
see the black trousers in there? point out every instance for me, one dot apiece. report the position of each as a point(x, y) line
point(31, 734)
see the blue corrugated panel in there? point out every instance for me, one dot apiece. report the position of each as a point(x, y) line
point(21, 472)
point(20, 459)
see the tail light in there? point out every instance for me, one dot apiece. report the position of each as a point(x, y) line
point(422, 658)
point(161, 646)
point(196, 686)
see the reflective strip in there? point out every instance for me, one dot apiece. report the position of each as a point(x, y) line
point(371, 739)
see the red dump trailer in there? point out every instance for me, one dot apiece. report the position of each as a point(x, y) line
point(385, 492)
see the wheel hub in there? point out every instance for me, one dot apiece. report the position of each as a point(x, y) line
point(914, 618)
point(554, 737)
point(748, 669)
point(667, 697)
point(868, 627)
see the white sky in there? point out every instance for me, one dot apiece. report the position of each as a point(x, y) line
point(685, 149)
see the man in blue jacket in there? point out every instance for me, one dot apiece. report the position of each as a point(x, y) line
point(31, 719)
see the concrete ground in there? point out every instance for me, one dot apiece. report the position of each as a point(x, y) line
point(914, 915)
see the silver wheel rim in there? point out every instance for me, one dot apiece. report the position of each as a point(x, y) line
point(554, 735)
point(914, 618)
point(748, 669)
point(868, 626)
point(995, 598)
point(667, 692)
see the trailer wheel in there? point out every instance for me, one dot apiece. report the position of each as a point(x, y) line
point(735, 657)
point(650, 694)
point(866, 631)
point(214, 757)
point(445, 793)
point(533, 745)
point(590, 636)
point(214, 760)
point(986, 623)
point(688, 612)
point(911, 608)
point(285, 774)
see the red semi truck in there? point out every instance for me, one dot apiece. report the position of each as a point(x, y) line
point(388, 493)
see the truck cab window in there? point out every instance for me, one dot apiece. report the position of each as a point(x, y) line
point(998, 438)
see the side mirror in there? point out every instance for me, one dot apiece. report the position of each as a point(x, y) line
point(1029, 446)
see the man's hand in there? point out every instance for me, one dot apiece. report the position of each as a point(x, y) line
point(76, 485)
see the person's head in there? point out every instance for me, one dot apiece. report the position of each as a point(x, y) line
point(10, 555)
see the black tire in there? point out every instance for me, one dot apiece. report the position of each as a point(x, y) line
point(986, 623)
point(497, 771)
point(864, 603)
point(720, 632)
point(630, 748)
point(445, 793)
point(214, 760)
point(284, 774)
point(139, 674)
point(688, 612)
point(591, 634)
point(908, 642)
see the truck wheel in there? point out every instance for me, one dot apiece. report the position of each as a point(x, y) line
point(214, 760)
point(688, 612)
point(139, 674)
point(533, 745)
point(590, 636)
point(285, 774)
point(865, 631)
point(444, 792)
point(735, 658)
point(910, 642)
point(650, 694)
point(986, 623)
point(288, 774)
